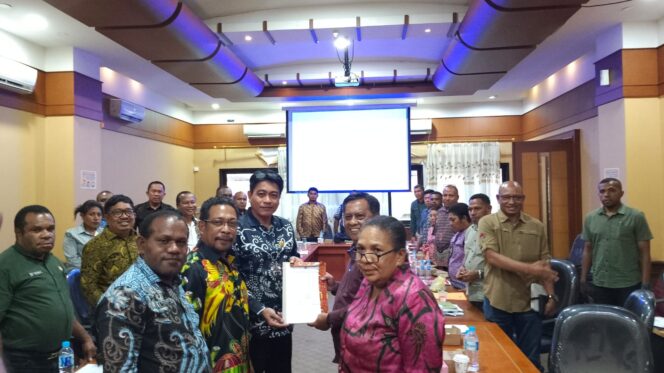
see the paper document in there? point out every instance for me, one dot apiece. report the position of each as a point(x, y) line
point(304, 295)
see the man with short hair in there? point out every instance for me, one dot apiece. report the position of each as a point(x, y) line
point(143, 321)
point(264, 242)
point(109, 254)
point(224, 192)
point(156, 192)
point(473, 271)
point(240, 199)
point(358, 208)
point(215, 288)
point(443, 229)
point(416, 208)
point(516, 252)
point(36, 313)
point(185, 202)
point(311, 217)
point(617, 248)
point(432, 200)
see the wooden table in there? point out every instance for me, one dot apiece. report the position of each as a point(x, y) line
point(334, 255)
point(498, 353)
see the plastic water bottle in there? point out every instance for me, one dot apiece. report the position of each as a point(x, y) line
point(66, 358)
point(471, 346)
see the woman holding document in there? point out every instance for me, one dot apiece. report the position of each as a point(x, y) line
point(394, 324)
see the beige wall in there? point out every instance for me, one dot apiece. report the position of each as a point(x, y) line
point(209, 161)
point(17, 164)
point(129, 163)
point(644, 179)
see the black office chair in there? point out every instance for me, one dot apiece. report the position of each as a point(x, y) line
point(81, 306)
point(600, 338)
point(567, 290)
point(642, 304)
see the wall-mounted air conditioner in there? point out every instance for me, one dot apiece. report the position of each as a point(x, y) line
point(264, 131)
point(126, 110)
point(17, 77)
point(420, 126)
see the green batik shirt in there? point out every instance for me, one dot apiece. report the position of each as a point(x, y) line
point(616, 255)
point(104, 259)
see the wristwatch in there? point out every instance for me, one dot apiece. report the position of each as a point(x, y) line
point(552, 296)
point(480, 274)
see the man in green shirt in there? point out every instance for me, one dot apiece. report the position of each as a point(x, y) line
point(617, 248)
point(36, 313)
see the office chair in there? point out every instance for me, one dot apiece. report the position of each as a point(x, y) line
point(592, 338)
point(81, 306)
point(642, 304)
point(567, 290)
point(576, 252)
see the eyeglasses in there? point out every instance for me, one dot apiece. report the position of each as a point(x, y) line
point(231, 224)
point(515, 198)
point(371, 257)
point(118, 213)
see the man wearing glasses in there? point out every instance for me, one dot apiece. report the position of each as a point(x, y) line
point(516, 252)
point(215, 288)
point(263, 243)
point(109, 254)
point(357, 209)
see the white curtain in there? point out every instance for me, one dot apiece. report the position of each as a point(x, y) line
point(471, 167)
point(290, 202)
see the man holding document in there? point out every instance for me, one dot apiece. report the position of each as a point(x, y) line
point(264, 243)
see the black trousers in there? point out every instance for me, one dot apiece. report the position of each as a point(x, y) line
point(28, 362)
point(613, 296)
point(271, 355)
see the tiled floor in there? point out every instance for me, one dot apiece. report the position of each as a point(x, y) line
point(313, 350)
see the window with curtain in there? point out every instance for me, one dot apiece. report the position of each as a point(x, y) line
point(471, 167)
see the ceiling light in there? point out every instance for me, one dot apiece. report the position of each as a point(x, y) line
point(248, 38)
point(215, 106)
point(341, 43)
point(428, 30)
point(335, 34)
point(35, 22)
point(492, 97)
point(5, 6)
point(284, 82)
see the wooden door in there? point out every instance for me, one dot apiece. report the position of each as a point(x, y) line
point(550, 173)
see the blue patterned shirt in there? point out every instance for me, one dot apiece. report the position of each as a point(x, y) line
point(259, 252)
point(146, 325)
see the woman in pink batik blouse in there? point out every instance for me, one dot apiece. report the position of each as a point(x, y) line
point(394, 324)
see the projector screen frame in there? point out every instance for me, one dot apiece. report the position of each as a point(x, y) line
point(290, 110)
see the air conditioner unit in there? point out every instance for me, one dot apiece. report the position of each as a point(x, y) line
point(126, 110)
point(420, 126)
point(264, 131)
point(17, 77)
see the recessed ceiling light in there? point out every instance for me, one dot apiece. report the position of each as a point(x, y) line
point(248, 38)
point(428, 30)
point(35, 22)
point(284, 82)
point(215, 106)
point(492, 97)
point(5, 6)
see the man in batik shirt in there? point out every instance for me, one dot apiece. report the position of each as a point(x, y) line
point(311, 218)
point(143, 321)
point(265, 241)
point(214, 287)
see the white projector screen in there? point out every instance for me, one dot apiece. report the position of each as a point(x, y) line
point(341, 150)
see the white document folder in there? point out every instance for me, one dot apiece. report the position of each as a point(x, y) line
point(301, 293)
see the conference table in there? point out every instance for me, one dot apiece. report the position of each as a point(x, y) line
point(498, 353)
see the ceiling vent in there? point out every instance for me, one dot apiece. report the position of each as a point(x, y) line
point(264, 131)
point(17, 77)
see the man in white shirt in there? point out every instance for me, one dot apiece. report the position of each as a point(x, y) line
point(185, 202)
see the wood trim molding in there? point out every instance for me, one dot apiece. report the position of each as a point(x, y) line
point(59, 94)
point(213, 136)
point(496, 128)
point(634, 73)
point(571, 107)
point(155, 126)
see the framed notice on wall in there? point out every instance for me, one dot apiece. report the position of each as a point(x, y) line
point(88, 179)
